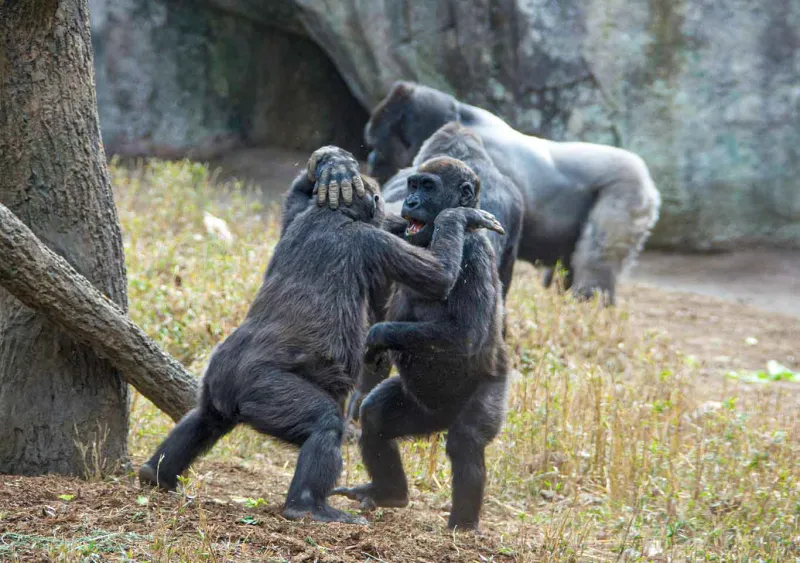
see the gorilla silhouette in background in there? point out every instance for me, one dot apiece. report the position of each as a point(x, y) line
point(589, 206)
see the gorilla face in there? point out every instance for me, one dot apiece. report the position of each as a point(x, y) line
point(439, 184)
point(367, 209)
point(425, 199)
point(388, 155)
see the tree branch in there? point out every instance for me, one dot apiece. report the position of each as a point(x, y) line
point(44, 281)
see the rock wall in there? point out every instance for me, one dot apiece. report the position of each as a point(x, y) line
point(707, 92)
point(177, 78)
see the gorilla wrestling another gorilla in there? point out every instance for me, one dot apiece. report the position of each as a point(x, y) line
point(286, 369)
point(589, 206)
point(499, 196)
point(449, 353)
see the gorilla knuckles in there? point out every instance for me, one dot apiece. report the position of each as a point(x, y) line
point(449, 354)
point(288, 367)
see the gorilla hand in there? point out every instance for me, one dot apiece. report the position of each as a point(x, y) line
point(476, 219)
point(375, 345)
point(335, 172)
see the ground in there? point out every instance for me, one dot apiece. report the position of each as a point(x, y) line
point(626, 437)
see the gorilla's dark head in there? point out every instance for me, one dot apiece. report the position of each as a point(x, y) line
point(401, 122)
point(438, 184)
point(367, 209)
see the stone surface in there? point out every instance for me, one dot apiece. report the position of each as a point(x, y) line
point(178, 78)
point(707, 92)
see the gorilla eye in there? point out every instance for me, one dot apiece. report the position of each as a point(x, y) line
point(376, 198)
point(428, 185)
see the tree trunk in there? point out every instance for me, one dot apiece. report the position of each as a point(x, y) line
point(44, 281)
point(56, 394)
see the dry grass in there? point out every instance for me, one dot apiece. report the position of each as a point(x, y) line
point(609, 452)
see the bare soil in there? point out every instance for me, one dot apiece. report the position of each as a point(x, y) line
point(720, 310)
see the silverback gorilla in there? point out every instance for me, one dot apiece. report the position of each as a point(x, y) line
point(449, 353)
point(589, 206)
point(286, 369)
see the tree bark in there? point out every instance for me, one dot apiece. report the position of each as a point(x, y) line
point(44, 281)
point(54, 392)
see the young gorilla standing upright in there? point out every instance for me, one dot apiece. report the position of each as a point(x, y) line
point(449, 353)
point(285, 370)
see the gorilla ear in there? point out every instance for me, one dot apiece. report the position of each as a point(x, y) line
point(466, 195)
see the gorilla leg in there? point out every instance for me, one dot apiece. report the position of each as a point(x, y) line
point(476, 426)
point(615, 231)
point(196, 432)
point(371, 375)
point(293, 409)
point(389, 412)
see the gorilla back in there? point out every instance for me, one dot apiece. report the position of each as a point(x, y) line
point(499, 196)
point(589, 206)
point(298, 352)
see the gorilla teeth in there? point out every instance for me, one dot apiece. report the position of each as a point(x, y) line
point(414, 227)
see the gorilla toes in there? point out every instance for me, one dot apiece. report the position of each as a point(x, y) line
point(462, 524)
point(323, 513)
point(605, 296)
point(370, 497)
point(149, 477)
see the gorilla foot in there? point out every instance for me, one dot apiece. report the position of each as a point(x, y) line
point(604, 296)
point(148, 476)
point(323, 513)
point(371, 497)
point(464, 525)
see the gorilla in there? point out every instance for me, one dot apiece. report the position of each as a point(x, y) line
point(499, 196)
point(285, 370)
point(449, 353)
point(589, 206)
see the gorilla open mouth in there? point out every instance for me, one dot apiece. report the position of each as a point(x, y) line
point(414, 227)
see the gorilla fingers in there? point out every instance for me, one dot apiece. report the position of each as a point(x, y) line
point(342, 176)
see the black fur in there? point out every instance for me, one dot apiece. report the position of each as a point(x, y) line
point(590, 207)
point(498, 195)
point(451, 359)
point(286, 369)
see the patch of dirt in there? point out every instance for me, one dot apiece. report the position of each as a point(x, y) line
point(119, 518)
point(717, 332)
point(767, 279)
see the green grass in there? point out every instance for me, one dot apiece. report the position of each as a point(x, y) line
point(609, 450)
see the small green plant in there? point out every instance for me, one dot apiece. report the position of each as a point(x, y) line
point(634, 454)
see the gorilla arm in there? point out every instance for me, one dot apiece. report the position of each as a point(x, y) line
point(467, 325)
point(431, 272)
point(328, 171)
point(394, 224)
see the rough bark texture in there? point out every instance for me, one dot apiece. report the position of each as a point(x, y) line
point(44, 281)
point(55, 392)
